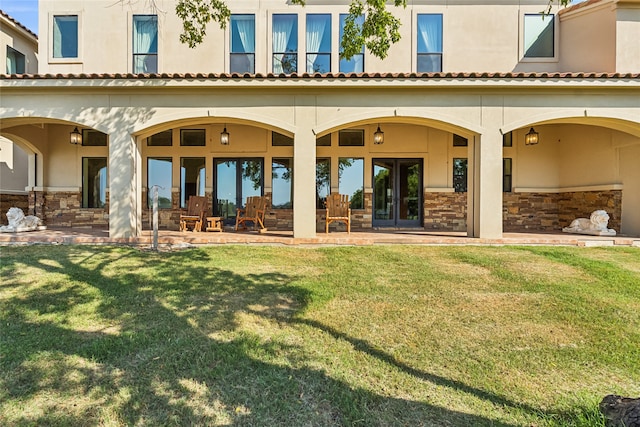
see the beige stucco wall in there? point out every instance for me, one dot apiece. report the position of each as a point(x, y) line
point(588, 39)
point(484, 37)
point(627, 37)
point(13, 167)
point(20, 40)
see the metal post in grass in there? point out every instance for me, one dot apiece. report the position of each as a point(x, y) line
point(154, 246)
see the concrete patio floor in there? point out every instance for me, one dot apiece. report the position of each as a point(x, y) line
point(77, 236)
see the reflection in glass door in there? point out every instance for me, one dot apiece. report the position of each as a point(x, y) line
point(397, 195)
point(234, 181)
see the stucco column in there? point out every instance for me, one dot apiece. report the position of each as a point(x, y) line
point(484, 218)
point(304, 177)
point(123, 188)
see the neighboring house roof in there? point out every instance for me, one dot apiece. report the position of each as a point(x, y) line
point(19, 25)
point(318, 76)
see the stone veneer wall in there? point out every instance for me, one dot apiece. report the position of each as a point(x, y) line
point(63, 209)
point(445, 211)
point(8, 201)
point(553, 211)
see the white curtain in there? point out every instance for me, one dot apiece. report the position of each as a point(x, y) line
point(145, 41)
point(282, 28)
point(246, 32)
point(430, 30)
point(11, 63)
point(57, 37)
point(315, 33)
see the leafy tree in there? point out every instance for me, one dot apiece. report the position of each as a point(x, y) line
point(377, 33)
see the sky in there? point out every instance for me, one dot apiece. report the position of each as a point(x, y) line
point(23, 11)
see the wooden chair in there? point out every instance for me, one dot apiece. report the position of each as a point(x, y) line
point(253, 211)
point(338, 210)
point(196, 211)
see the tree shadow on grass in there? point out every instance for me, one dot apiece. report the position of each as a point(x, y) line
point(169, 348)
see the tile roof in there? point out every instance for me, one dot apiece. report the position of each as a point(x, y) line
point(318, 76)
point(7, 16)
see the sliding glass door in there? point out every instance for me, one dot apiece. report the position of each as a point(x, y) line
point(397, 195)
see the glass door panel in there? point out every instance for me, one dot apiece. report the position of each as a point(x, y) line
point(383, 192)
point(234, 181)
point(409, 179)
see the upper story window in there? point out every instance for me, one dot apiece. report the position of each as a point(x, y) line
point(356, 63)
point(243, 44)
point(429, 43)
point(285, 43)
point(65, 36)
point(145, 44)
point(318, 43)
point(538, 36)
point(15, 61)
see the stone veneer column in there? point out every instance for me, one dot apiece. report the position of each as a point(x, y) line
point(304, 171)
point(123, 192)
point(485, 204)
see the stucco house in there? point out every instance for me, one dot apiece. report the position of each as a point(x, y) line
point(485, 117)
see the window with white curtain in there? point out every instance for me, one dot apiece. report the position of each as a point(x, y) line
point(285, 43)
point(243, 44)
point(429, 36)
point(356, 63)
point(15, 61)
point(145, 43)
point(538, 36)
point(65, 36)
point(318, 43)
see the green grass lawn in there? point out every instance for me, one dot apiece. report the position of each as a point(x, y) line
point(272, 336)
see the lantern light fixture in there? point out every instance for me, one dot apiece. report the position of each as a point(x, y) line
point(75, 137)
point(224, 136)
point(531, 138)
point(378, 136)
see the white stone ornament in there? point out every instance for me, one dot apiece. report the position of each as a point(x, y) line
point(596, 225)
point(19, 222)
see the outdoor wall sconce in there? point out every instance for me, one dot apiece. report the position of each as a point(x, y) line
point(378, 136)
point(75, 137)
point(224, 136)
point(531, 138)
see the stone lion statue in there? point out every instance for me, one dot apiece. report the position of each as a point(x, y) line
point(596, 225)
point(19, 222)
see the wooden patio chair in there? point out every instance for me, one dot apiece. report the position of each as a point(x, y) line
point(196, 211)
point(253, 212)
point(338, 210)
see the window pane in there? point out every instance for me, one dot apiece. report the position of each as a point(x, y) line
point(282, 183)
point(429, 28)
point(323, 181)
point(506, 175)
point(280, 140)
point(192, 178)
point(324, 141)
point(192, 137)
point(94, 138)
point(145, 44)
point(251, 179)
point(351, 180)
point(356, 63)
point(459, 141)
point(162, 139)
point(538, 36)
point(285, 43)
point(15, 61)
point(460, 175)
point(351, 138)
point(242, 44)
point(507, 139)
point(318, 43)
point(159, 173)
point(65, 36)
point(94, 182)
